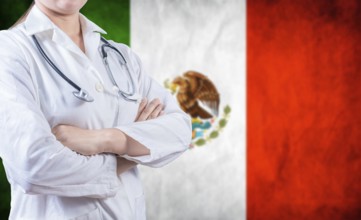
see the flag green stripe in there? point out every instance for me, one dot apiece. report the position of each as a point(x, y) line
point(111, 15)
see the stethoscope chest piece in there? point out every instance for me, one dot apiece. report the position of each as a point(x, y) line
point(83, 95)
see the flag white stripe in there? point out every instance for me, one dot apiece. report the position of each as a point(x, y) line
point(208, 36)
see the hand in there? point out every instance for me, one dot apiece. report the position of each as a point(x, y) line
point(83, 141)
point(153, 110)
point(124, 165)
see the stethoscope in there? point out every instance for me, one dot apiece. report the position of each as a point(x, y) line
point(82, 94)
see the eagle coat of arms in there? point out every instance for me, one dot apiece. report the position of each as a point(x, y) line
point(198, 97)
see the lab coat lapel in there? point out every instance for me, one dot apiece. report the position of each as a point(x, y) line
point(91, 36)
point(38, 22)
point(91, 43)
point(60, 38)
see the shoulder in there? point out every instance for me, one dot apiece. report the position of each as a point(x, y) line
point(7, 40)
point(121, 46)
point(130, 56)
point(10, 43)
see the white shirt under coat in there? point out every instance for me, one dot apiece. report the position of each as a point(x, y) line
point(48, 180)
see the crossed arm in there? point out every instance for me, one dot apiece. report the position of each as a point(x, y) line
point(109, 140)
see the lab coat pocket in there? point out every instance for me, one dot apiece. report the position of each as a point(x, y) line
point(140, 208)
point(92, 215)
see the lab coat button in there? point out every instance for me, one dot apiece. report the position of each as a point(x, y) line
point(99, 87)
point(115, 89)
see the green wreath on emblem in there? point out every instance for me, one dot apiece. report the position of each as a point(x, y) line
point(194, 88)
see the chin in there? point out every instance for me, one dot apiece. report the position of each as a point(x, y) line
point(70, 6)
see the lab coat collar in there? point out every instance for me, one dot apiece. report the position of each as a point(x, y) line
point(37, 22)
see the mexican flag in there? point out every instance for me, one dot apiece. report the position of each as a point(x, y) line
point(282, 83)
point(274, 91)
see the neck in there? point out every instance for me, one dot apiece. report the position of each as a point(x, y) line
point(69, 23)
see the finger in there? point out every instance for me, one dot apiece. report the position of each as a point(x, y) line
point(161, 113)
point(156, 112)
point(152, 109)
point(149, 109)
point(141, 107)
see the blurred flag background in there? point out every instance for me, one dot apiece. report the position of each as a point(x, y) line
point(286, 142)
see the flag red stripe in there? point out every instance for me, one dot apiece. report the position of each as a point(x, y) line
point(303, 109)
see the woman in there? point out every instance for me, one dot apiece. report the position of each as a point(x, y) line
point(67, 158)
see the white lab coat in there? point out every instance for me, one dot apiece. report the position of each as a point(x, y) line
point(48, 180)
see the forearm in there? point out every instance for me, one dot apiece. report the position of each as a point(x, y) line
point(166, 137)
point(117, 142)
point(91, 142)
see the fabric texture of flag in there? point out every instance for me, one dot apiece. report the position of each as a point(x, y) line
point(274, 90)
point(303, 109)
point(197, 48)
point(303, 105)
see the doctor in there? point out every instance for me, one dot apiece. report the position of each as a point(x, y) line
point(67, 158)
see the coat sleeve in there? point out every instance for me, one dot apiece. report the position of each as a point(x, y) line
point(167, 136)
point(32, 157)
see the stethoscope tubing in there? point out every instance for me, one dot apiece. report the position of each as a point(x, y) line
point(110, 73)
point(81, 93)
point(47, 59)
